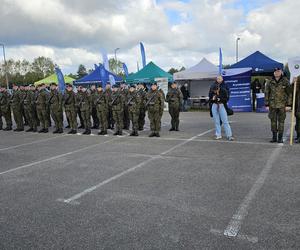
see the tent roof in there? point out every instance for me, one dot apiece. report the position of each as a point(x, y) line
point(53, 78)
point(95, 77)
point(148, 74)
point(203, 70)
point(259, 63)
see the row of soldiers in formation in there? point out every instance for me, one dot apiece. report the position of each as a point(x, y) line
point(111, 108)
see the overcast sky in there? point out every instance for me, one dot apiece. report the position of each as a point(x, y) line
point(175, 33)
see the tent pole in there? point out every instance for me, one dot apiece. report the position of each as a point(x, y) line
point(293, 113)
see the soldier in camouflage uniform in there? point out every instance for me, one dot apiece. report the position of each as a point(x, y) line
point(35, 92)
point(126, 120)
point(28, 104)
point(78, 97)
point(56, 108)
point(134, 104)
point(15, 104)
point(23, 92)
point(70, 108)
point(117, 104)
point(108, 93)
point(94, 109)
point(174, 99)
point(85, 106)
point(41, 103)
point(277, 98)
point(101, 103)
point(154, 104)
point(5, 108)
point(142, 113)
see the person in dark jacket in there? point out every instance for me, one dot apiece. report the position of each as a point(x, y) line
point(256, 88)
point(186, 95)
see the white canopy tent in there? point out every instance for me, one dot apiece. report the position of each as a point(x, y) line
point(199, 77)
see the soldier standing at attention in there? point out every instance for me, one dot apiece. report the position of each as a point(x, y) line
point(70, 108)
point(5, 108)
point(108, 93)
point(94, 109)
point(126, 120)
point(134, 103)
point(277, 99)
point(23, 92)
point(85, 106)
point(101, 103)
point(154, 105)
point(56, 108)
point(28, 103)
point(78, 97)
point(142, 113)
point(117, 104)
point(41, 103)
point(15, 103)
point(174, 99)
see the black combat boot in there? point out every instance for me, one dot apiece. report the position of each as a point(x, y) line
point(116, 133)
point(55, 131)
point(136, 133)
point(172, 129)
point(42, 130)
point(29, 130)
point(60, 131)
point(152, 134)
point(67, 126)
point(120, 132)
point(280, 138)
point(46, 130)
point(34, 130)
point(7, 129)
point(157, 134)
point(132, 133)
point(274, 138)
point(1, 128)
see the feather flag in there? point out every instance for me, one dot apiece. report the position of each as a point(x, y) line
point(125, 69)
point(143, 54)
point(61, 80)
point(105, 60)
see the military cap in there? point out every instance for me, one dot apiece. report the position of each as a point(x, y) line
point(53, 83)
point(276, 69)
point(69, 85)
point(117, 85)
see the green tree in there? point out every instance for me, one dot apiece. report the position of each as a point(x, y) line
point(172, 71)
point(81, 72)
point(116, 66)
point(43, 66)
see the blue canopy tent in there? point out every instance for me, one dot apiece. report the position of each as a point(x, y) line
point(99, 76)
point(259, 63)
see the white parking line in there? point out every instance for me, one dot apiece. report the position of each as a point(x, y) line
point(74, 198)
point(54, 157)
point(30, 143)
point(237, 219)
point(243, 237)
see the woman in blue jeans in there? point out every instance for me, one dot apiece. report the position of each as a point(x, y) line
point(218, 98)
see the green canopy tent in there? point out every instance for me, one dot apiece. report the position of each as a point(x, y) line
point(148, 74)
point(53, 78)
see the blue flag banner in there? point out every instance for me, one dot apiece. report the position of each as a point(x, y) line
point(112, 80)
point(143, 54)
point(61, 80)
point(220, 62)
point(105, 60)
point(125, 69)
point(103, 75)
point(239, 83)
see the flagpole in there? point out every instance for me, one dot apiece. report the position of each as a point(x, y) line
point(293, 113)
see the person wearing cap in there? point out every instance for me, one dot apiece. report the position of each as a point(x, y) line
point(70, 108)
point(278, 96)
point(78, 97)
point(142, 114)
point(126, 120)
point(22, 94)
point(85, 106)
point(108, 93)
point(94, 109)
point(34, 90)
point(154, 103)
point(15, 103)
point(28, 104)
point(174, 99)
point(41, 103)
point(117, 103)
point(56, 108)
point(133, 104)
point(101, 103)
point(5, 110)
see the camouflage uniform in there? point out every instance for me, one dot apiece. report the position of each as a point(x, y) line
point(85, 106)
point(154, 105)
point(277, 98)
point(28, 103)
point(110, 120)
point(101, 103)
point(174, 99)
point(94, 109)
point(142, 113)
point(70, 110)
point(5, 109)
point(126, 120)
point(15, 104)
point(41, 103)
point(56, 109)
point(78, 97)
point(134, 103)
point(117, 104)
point(297, 110)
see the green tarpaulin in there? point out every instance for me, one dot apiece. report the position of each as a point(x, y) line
point(148, 74)
point(53, 78)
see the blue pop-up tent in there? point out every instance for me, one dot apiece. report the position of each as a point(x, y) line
point(99, 76)
point(259, 63)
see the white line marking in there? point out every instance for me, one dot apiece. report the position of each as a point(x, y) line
point(237, 219)
point(30, 143)
point(243, 237)
point(54, 157)
point(93, 188)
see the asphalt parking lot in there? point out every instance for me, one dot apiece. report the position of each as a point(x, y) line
point(183, 190)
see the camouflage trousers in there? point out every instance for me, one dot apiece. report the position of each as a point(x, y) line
point(154, 116)
point(6, 113)
point(126, 118)
point(142, 115)
point(134, 118)
point(118, 118)
point(18, 117)
point(277, 117)
point(86, 117)
point(102, 118)
point(43, 117)
point(30, 117)
point(72, 118)
point(174, 113)
point(57, 116)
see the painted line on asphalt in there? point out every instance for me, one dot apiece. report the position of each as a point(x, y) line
point(30, 143)
point(242, 237)
point(74, 198)
point(54, 157)
point(234, 226)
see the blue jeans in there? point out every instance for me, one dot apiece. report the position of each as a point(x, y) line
point(219, 113)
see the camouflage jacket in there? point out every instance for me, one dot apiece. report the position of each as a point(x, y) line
point(174, 97)
point(69, 100)
point(28, 100)
point(93, 97)
point(134, 101)
point(154, 101)
point(278, 94)
point(117, 101)
point(41, 99)
point(56, 100)
point(4, 99)
point(101, 101)
point(16, 99)
point(84, 101)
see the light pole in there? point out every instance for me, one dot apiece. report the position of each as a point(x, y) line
point(116, 49)
point(5, 65)
point(237, 49)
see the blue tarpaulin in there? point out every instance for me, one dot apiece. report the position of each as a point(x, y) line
point(259, 63)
